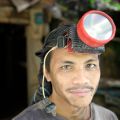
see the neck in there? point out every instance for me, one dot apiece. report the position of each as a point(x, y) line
point(70, 112)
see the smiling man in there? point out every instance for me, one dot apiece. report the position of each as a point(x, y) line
point(70, 72)
point(74, 77)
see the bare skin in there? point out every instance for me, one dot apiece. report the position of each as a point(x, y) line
point(74, 78)
point(70, 112)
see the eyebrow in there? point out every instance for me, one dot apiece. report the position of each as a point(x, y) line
point(71, 62)
point(90, 60)
point(68, 62)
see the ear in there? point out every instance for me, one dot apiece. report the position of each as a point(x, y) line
point(47, 76)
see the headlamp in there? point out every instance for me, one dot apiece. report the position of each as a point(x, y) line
point(96, 28)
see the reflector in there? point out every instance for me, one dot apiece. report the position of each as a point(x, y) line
point(96, 28)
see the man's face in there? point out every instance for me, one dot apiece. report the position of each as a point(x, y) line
point(74, 76)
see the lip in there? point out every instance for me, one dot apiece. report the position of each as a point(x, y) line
point(80, 92)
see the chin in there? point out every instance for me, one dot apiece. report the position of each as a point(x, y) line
point(84, 102)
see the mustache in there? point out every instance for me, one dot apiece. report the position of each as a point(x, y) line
point(82, 86)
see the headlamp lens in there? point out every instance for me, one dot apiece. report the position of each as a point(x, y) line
point(96, 28)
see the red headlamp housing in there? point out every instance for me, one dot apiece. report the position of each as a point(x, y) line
point(96, 28)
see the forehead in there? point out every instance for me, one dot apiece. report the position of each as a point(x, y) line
point(63, 54)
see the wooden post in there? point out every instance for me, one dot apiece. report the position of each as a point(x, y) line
point(34, 33)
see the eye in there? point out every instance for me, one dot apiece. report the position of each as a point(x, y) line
point(66, 67)
point(91, 66)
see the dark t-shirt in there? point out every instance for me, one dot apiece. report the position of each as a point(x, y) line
point(37, 112)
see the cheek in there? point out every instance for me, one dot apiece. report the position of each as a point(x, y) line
point(94, 78)
point(60, 81)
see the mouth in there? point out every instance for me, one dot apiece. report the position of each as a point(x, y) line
point(80, 92)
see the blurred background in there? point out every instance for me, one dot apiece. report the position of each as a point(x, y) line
point(23, 26)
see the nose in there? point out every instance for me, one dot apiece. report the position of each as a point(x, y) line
point(80, 77)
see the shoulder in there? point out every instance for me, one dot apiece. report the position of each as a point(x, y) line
point(33, 112)
point(28, 113)
point(103, 113)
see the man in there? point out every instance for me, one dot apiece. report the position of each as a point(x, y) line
point(70, 73)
